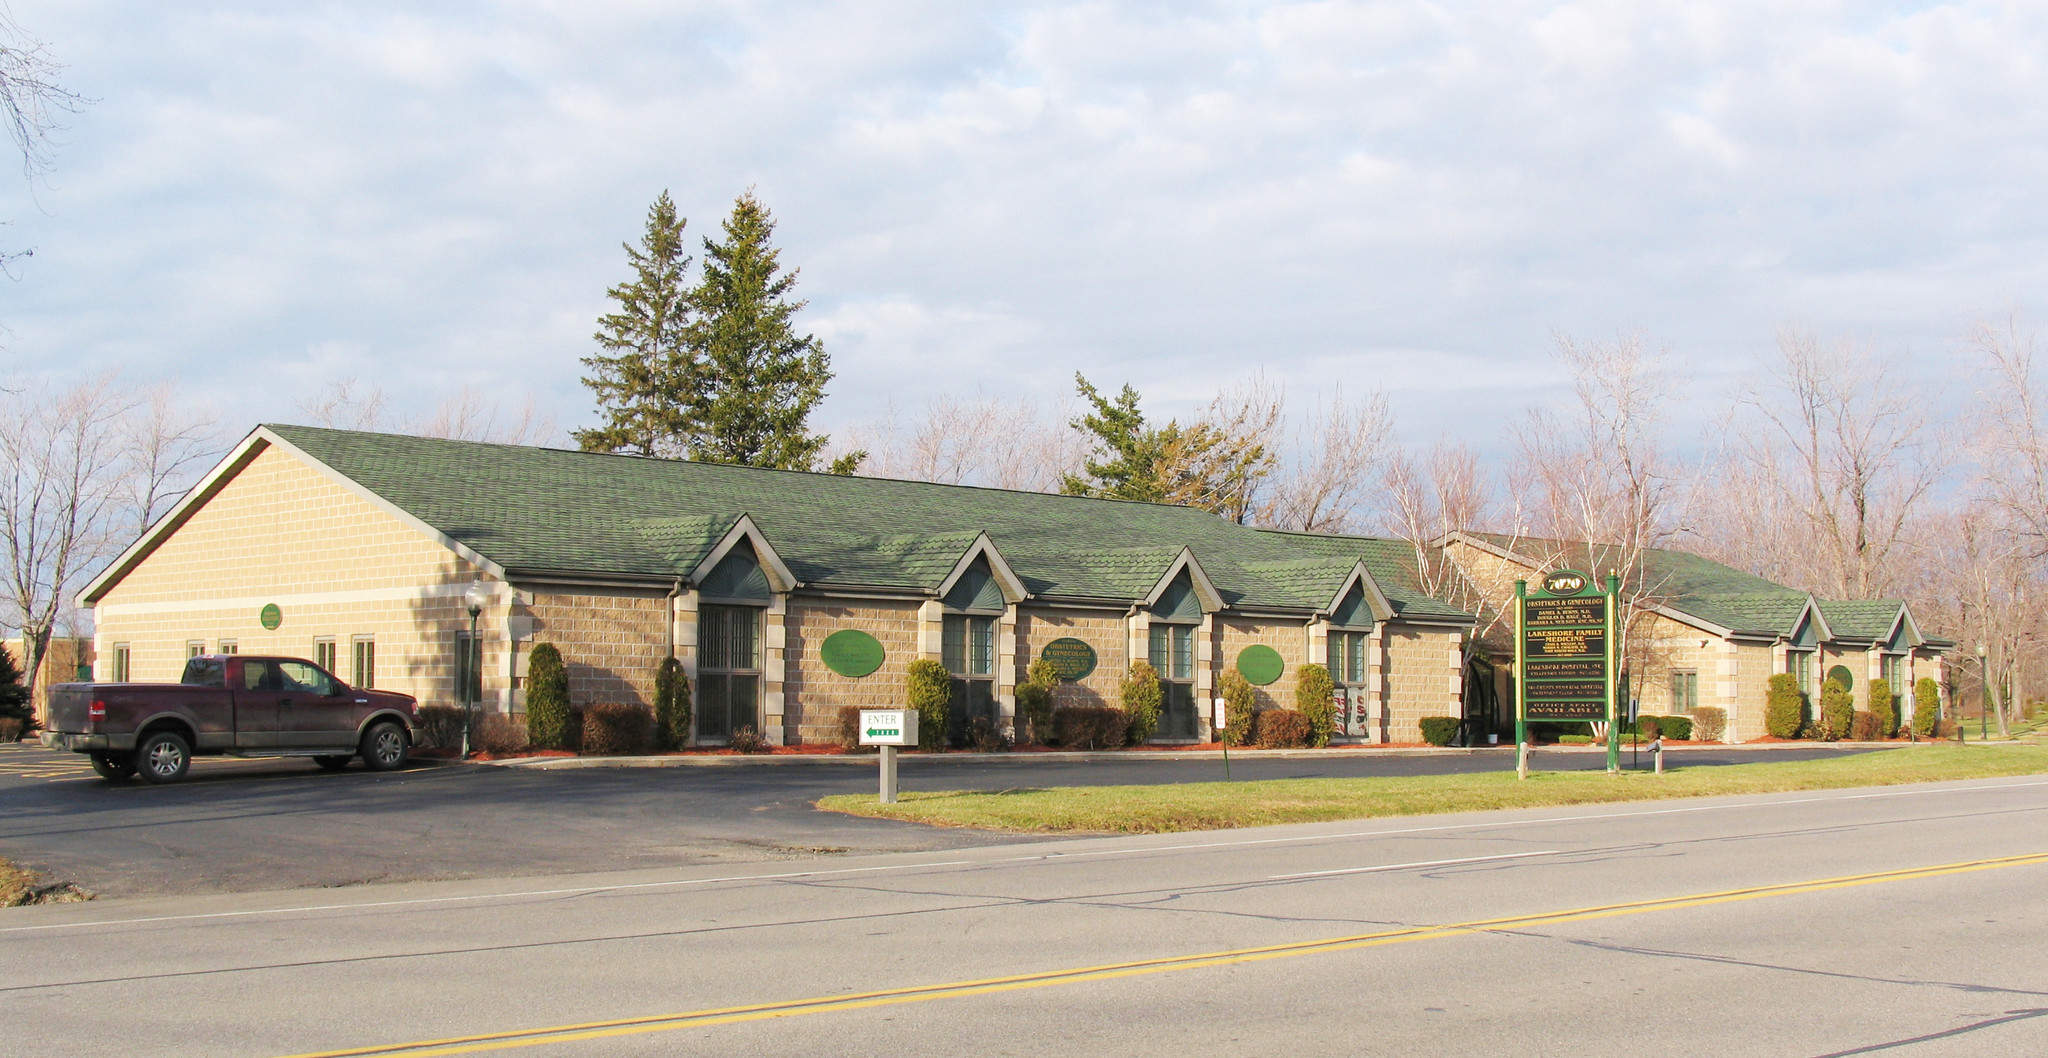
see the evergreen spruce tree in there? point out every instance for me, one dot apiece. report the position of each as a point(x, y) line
point(644, 379)
point(14, 693)
point(758, 380)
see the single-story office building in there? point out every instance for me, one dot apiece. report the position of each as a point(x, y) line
point(784, 595)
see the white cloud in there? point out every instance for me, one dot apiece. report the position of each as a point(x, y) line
point(989, 197)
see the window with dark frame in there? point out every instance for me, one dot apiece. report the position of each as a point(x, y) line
point(363, 662)
point(1685, 692)
point(323, 653)
point(1172, 652)
point(728, 669)
point(121, 663)
point(967, 647)
point(1347, 658)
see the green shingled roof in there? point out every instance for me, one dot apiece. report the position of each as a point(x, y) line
point(1744, 603)
point(1860, 618)
point(541, 509)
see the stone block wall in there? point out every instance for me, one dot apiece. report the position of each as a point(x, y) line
point(813, 694)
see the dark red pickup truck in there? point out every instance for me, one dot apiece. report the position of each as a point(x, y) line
point(233, 705)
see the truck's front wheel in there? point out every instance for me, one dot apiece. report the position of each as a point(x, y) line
point(113, 768)
point(163, 757)
point(384, 747)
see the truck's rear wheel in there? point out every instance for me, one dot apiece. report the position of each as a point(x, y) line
point(112, 767)
point(385, 747)
point(333, 762)
point(163, 757)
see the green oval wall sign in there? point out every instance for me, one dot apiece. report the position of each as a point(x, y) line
point(271, 617)
point(1841, 674)
point(851, 652)
point(1260, 664)
point(1070, 657)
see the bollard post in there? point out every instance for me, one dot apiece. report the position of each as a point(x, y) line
point(888, 775)
point(1657, 753)
point(1521, 760)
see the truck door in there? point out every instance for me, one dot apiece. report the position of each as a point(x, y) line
point(313, 710)
point(256, 685)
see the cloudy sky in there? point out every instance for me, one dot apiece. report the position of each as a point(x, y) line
point(1408, 196)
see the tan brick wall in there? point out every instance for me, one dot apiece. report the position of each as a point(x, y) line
point(336, 566)
point(1290, 638)
point(814, 693)
point(1422, 678)
point(1102, 630)
point(611, 644)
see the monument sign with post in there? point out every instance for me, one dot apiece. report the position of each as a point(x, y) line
point(1565, 667)
point(889, 729)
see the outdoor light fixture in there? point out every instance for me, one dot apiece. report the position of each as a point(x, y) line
point(471, 668)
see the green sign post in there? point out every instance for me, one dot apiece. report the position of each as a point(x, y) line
point(1565, 662)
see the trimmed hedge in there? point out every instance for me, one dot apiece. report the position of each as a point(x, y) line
point(1091, 727)
point(549, 721)
point(1283, 729)
point(1647, 727)
point(617, 729)
point(1837, 711)
point(1672, 727)
point(1926, 706)
point(1863, 726)
point(1785, 708)
point(671, 705)
point(1884, 713)
point(1142, 696)
point(929, 690)
point(1312, 690)
point(1710, 723)
point(1240, 707)
point(1440, 730)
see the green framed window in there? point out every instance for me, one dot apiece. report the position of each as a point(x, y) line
point(362, 667)
point(1685, 692)
point(1347, 657)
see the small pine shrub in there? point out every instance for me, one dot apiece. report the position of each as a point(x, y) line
point(1710, 723)
point(1440, 730)
point(1312, 691)
point(1240, 707)
point(439, 727)
point(1785, 708)
point(1034, 712)
point(748, 739)
point(1284, 729)
point(1091, 727)
point(1863, 726)
point(1884, 712)
point(14, 697)
point(1926, 706)
point(927, 689)
point(1142, 695)
point(617, 729)
point(1043, 673)
point(1837, 711)
point(671, 705)
point(548, 719)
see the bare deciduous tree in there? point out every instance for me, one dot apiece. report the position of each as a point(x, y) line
point(465, 415)
point(1340, 449)
point(166, 444)
point(63, 470)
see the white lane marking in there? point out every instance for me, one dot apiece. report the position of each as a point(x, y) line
point(1040, 857)
point(576, 890)
point(1418, 863)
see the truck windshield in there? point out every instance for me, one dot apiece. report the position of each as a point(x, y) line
point(205, 672)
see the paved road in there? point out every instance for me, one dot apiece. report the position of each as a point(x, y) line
point(1901, 921)
point(275, 824)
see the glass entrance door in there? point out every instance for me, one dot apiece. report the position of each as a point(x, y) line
point(1173, 654)
point(728, 670)
point(968, 648)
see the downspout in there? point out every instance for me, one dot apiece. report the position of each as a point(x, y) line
point(674, 593)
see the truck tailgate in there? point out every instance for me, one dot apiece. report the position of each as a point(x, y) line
point(68, 705)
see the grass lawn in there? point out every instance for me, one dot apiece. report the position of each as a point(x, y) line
point(1218, 806)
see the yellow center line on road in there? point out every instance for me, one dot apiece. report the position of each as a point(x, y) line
point(597, 1030)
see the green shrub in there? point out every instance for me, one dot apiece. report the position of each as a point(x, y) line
point(1863, 726)
point(748, 739)
point(1882, 709)
point(1678, 727)
point(1284, 729)
point(1647, 727)
point(1785, 707)
point(14, 703)
point(1710, 723)
point(1043, 673)
point(439, 727)
point(1837, 711)
point(548, 720)
point(1575, 740)
point(1240, 707)
point(927, 689)
point(1142, 696)
point(1312, 690)
point(617, 729)
point(1090, 727)
point(1440, 730)
point(1034, 712)
point(671, 705)
point(1926, 706)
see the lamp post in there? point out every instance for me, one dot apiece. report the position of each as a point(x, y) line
point(470, 670)
point(1983, 713)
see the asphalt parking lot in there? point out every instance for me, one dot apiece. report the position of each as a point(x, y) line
point(243, 825)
